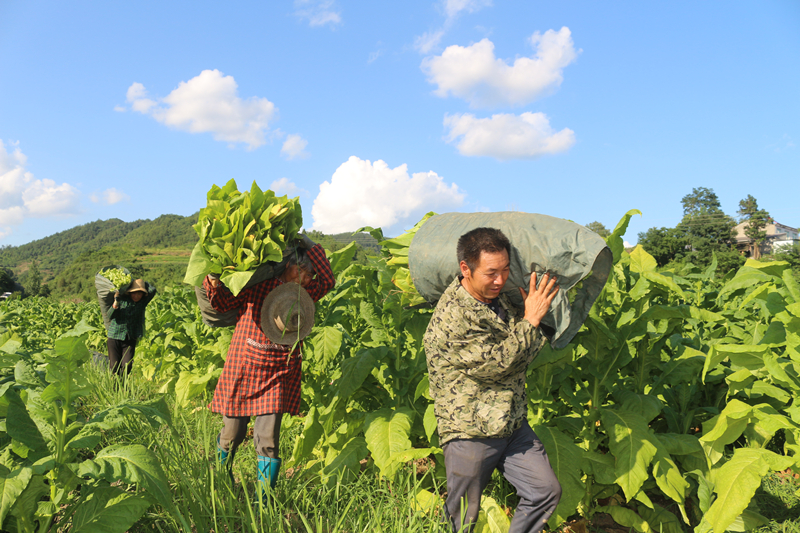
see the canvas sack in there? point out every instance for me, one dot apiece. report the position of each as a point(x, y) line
point(539, 243)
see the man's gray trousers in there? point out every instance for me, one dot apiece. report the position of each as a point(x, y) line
point(520, 458)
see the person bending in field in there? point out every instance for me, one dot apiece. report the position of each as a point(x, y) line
point(478, 347)
point(260, 378)
point(126, 325)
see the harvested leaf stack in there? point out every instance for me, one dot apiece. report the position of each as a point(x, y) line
point(119, 277)
point(240, 231)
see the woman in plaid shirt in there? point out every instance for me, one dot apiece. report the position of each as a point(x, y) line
point(259, 377)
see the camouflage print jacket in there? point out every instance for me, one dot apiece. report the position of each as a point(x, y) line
point(477, 364)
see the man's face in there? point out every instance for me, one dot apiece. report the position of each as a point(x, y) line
point(489, 276)
point(136, 296)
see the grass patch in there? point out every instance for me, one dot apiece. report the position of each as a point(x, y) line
point(207, 500)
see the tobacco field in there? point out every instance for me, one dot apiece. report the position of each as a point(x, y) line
point(666, 412)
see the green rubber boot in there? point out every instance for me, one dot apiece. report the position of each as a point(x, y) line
point(225, 459)
point(268, 469)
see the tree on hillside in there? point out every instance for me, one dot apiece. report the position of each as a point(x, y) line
point(757, 220)
point(7, 281)
point(708, 229)
point(34, 280)
point(598, 228)
point(664, 244)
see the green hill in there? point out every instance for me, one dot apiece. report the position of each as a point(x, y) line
point(157, 250)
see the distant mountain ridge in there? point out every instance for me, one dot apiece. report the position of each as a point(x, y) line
point(157, 250)
point(57, 251)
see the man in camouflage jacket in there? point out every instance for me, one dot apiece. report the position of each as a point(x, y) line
point(478, 347)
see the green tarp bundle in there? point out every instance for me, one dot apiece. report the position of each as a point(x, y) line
point(539, 243)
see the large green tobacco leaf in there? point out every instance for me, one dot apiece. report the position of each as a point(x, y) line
point(348, 463)
point(737, 481)
point(28, 501)
point(601, 466)
point(627, 517)
point(67, 381)
point(23, 428)
point(387, 435)
point(664, 282)
point(743, 355)
point(305, 442)
point(341, 259)
point(630, 444)
point(191, 384)
point(108, 510)
point(565, 459)
point(130, 464)
point(669, 478)
point(641, 261)
point(725, 428)
point(327, 342)
point(491, 518)
point(661, 520)
point(647, 406)
point(791, 285)
point(614, 240)
point(744, 278)
point(354, 371)
point(429, 422)
point(12, 483)
point(26, 374)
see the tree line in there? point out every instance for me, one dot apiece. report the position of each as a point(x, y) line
point(706, 231)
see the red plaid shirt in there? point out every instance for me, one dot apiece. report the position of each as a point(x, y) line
point(259, 377)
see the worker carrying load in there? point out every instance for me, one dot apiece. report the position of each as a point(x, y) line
point(259, 274)
point(501, 284)
point(123, 302)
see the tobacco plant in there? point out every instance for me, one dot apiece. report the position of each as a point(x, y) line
point(53, 474)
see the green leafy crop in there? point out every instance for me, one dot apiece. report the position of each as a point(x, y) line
point(239, 231)
point(395, 252)
point(118, 277)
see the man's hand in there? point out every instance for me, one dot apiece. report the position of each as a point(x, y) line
point(538, 300)
point(115, 305)
point(213, 279)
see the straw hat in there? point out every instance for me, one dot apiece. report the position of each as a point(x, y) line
point(137, 285)
point(287, 314)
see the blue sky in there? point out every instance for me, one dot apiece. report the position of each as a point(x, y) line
point(377, 112)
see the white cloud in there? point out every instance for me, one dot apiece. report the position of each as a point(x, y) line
point(137, 97)
point(476, 75)
point(109, 197)
point(362, 193)
point(452, 8)
point(373, 56)
point(507, 136)
point(21, 195)
point(294, 147)
point(209, 103)
point(428, 41)
point(285, 186)
point(626, 244)
point(318, 12)
point(120, 109)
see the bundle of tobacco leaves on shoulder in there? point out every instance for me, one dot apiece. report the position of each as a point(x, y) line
point(117, 276)
point(240, 231)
